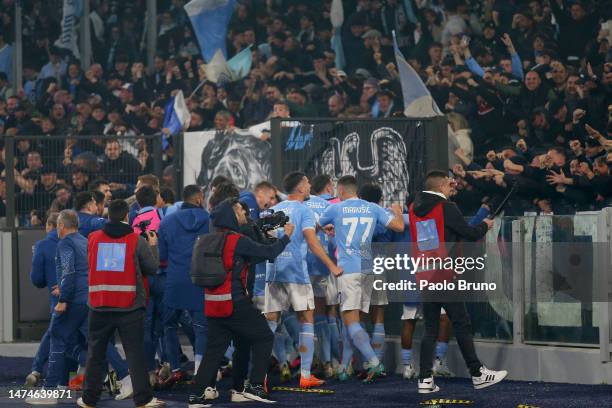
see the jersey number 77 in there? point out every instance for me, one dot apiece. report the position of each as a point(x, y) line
point(353, 222)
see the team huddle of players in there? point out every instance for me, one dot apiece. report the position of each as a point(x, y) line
point(317, 288)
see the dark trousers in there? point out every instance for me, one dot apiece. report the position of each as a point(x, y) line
point(249, 330)
point(64, 330)
point(154, 328)
point(458, 315)
point(102, 326)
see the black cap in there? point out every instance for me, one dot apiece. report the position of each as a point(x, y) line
point(48, 169)
point(520, 160)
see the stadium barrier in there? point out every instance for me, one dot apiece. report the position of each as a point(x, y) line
point(553, 324)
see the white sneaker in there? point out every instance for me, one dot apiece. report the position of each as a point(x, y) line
point(82, 403)
point(164, 371)
point(427, 386)
point(488, 377)
point(154, 403)
point(440, 369)
point(125, 391)
point(237, 396)
point(32, 379)
point(408, 372)
point(211, 393)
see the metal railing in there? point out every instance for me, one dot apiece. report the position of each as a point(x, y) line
point(48, 171)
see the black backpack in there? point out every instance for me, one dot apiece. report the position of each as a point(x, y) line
point(207, 270)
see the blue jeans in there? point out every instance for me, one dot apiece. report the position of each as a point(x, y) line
point(154, 328)
point(189, 320)
point(115, 360)
point(42, 355)
point(64, 330)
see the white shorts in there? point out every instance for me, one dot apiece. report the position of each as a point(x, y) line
point(377, 297)
point(284, 296)
point(259, 302)
point(325, 286)
point(356, 292)
point(413, 312)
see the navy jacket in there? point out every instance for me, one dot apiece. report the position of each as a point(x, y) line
point(90, 223)
point(177, 234)
point(43, 272)
point(72, 269)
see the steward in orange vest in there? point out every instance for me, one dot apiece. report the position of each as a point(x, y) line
point(119, 260)
point(435, 224)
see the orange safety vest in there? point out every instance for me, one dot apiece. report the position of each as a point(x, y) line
point(112, 270)
point(427, 236)
point(218, 301)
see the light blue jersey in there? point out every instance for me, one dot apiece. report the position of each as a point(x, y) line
point(354, 221)
point(290, 266)
point(315, 265)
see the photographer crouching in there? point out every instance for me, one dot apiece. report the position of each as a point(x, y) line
point(220, 263)
point(119, 259)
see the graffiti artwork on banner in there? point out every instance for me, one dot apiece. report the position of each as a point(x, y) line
point(236, 154)
point(387, 167)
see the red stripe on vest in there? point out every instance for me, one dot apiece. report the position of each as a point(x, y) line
point(433, 275)
point(218, 301)
point(113, 288)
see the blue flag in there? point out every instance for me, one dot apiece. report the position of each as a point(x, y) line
point(418, 102)
point(240, 64)
point(176, 117)
point(210, 19)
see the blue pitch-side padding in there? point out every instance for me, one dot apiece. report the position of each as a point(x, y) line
point(111, 257)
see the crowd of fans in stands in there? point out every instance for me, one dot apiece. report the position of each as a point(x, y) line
point(525, 85)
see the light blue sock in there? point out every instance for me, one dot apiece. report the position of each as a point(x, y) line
point(322, 332)
point(229, 352)
point(406, 356)
point(306, 348)
point(334, 336)
point(288, 341)
point(347, 348)
point(278, 347)
point(378, 340)
point(361, 340)
point(272, 325)
point(292, 325)
point(441, 349)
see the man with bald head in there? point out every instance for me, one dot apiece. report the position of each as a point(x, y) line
point(335, 106)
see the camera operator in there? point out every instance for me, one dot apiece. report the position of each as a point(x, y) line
point(242, 351)
point(245, 323)
point(117, 302)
